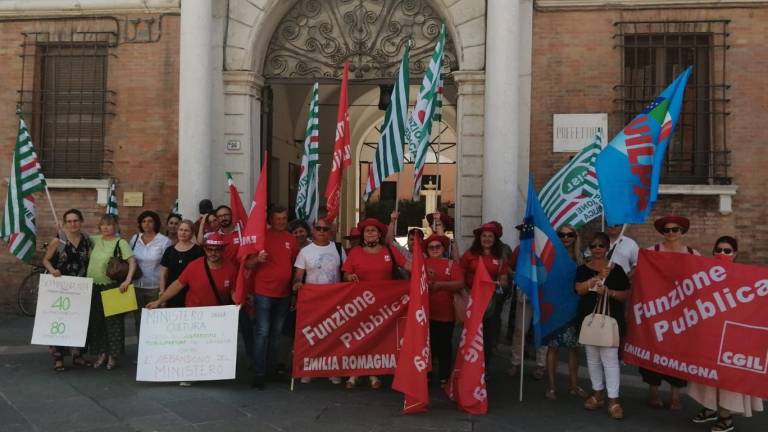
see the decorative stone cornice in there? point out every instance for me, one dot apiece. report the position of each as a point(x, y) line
point(33, 8)
point(242, 83)
point(469, 82)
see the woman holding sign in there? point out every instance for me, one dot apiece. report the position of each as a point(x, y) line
point(372, 261)
point(719, 404)
point(107, 334)
point(673, 228)
point(67, 255)
point(595, 279)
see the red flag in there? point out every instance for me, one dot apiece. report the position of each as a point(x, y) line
point(342, 157)
point(467, 383)
point(413, 363)
point(252, 240)
point(239, 215)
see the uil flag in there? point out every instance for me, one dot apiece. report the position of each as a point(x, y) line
point(629, 168)
point(467, 383)
point(572, 196)
point(24, 179)
point(239, 215)
point(545, 272)
point(342, 157)
point(414, 360)
point(389, 153)
point(112, 200)
point(306, 196)
point(419, 128)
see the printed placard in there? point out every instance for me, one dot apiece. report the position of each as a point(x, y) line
point(63, 309)
point(188, 344)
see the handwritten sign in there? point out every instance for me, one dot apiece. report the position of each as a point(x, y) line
point(188, 344)
point(63, 308)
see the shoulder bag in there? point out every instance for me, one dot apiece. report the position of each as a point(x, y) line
point(212, 283)
point(599, 328)
point(117, 267)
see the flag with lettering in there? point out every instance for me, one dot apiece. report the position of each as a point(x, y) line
point(342, 156)
point(467, 383)
point(572, 196)
point(419, 128)
point(389, 152)
point(629, 168)
point(415, 359)
point(306, 194)
point(545, 273)
point(239, 215)
point(25, 178)
point(253, 235)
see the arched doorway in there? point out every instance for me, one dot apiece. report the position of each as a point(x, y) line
point(310, 43)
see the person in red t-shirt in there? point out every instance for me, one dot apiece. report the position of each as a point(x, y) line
point(488, 247)
point(229, 232)
point(372, 261)
point(445, 278)
point(272, 269)
point(195, 276)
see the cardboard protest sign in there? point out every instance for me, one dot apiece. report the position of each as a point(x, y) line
point(63, 309)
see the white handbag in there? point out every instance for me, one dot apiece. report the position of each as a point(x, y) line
point(599, 328)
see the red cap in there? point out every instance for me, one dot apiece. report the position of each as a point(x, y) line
point(679, 220)
point(372, 222)
point(435, 237)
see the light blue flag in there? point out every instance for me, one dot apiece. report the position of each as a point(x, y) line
point(629, 168)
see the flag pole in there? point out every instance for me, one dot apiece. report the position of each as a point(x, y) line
point(522, 348)
point(53, 210)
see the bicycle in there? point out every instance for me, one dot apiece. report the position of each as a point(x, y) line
point(26, 296)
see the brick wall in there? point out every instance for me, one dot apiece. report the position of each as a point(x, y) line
point(575, 67)
point(141, 138)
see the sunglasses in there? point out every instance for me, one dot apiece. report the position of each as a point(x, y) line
point(566, 235)
point(597, 246)
point(724, 251)
point(321, 228)
point(435, 247)
point(666, 230)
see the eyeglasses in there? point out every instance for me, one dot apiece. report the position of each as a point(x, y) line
point(724, 251)
point(224, 215)
point(435, 247)
point(675, 229)
point(566, 235)
point(597, 246)
point(321, 228)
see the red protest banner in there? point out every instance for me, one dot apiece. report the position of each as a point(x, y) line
point(414, 361)
point(467, 383)
point(349, 329)
point(700, 319)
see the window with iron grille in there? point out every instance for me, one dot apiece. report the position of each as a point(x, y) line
point(67, 101)
point(652, 55)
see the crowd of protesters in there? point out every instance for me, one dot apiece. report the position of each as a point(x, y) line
point(195, 263)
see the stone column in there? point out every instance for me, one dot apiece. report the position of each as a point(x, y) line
point(195, 73)
point(502, 200)
point(242, 120)
point(469, 135)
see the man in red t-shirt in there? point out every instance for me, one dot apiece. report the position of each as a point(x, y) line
point(195, 276)
point(229, 232)
point(271, 291)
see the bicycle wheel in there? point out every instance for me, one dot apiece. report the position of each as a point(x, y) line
point(27, 295)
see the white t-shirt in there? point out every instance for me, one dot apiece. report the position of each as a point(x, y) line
point(626, 253)
point(148, 256)
point(321, 264)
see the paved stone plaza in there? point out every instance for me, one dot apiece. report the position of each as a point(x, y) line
point(34, 398)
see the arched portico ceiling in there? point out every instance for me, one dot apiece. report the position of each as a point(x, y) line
point(316, 36)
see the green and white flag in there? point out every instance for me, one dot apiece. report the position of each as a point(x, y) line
point(419, 129)
point(572, 195)
point(175, 209)
point(306, 196)
point(389, 153)
point(112, 200)
point(25, 178)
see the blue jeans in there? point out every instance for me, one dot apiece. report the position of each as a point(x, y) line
point(267, 329)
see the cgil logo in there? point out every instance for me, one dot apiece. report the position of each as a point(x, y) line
point(744, 347)
point(743, 361)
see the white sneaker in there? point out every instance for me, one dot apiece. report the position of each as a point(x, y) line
point(335, 380)
point(306, 380)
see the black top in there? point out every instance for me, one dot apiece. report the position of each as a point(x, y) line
point(176, 262)
point(72, 260)
point(617, 280)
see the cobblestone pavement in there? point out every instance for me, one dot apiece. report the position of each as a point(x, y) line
point(35, 398)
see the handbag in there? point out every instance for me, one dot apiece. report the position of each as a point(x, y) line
point(599, 328)
point(117, 267)
point(222, 302)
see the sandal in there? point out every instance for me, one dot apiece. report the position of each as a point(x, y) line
point(100, 361)
point(111, 364)
point(375, 383)
point(58, 365)
point(655, 403)
point(594, 402)
point(351, 383)
point(675, 405)
point(705, 416)
point(550, 394)
point(724, 424)
point(578, 391)
point(80, 361)
point(615, 410)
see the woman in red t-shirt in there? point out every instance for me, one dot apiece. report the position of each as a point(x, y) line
point(372, 260)
point(488, 247)
point(445, 278)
